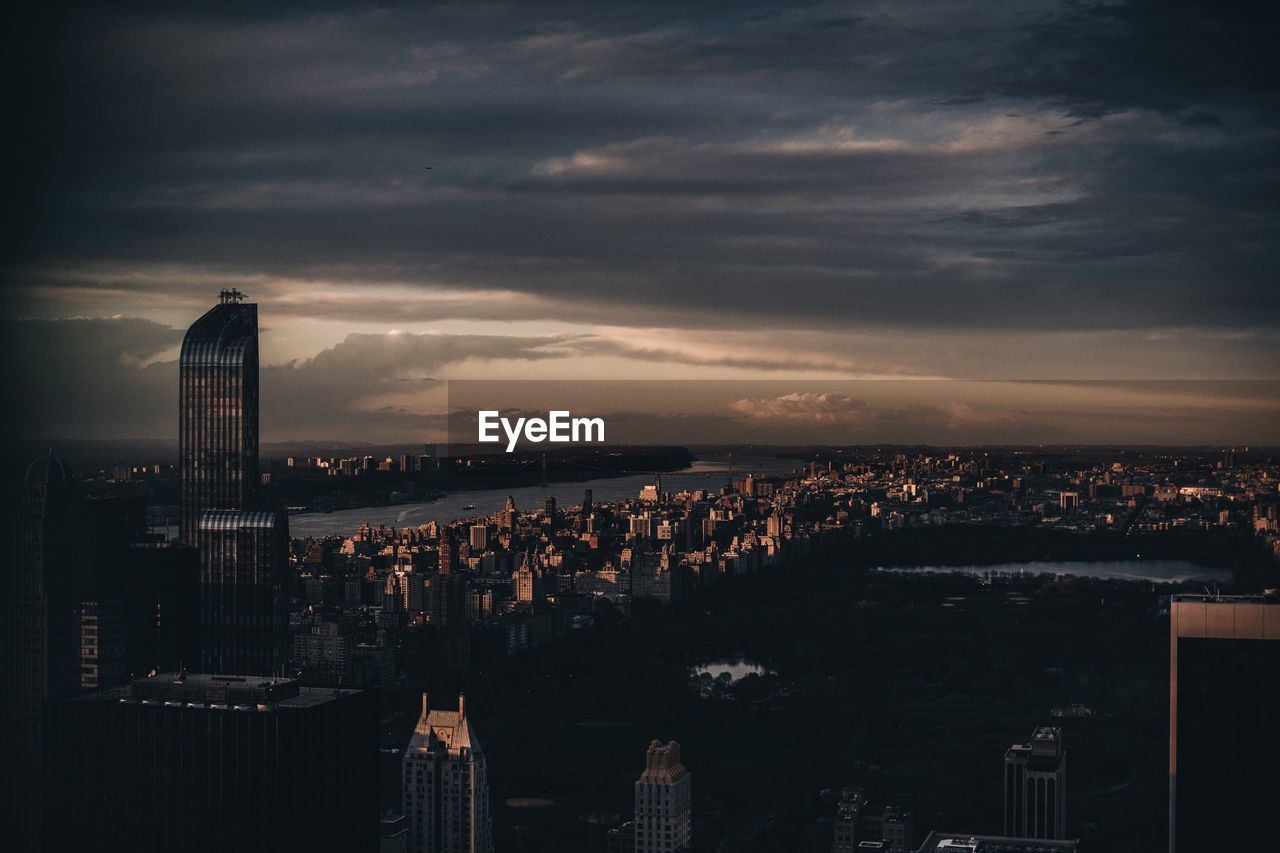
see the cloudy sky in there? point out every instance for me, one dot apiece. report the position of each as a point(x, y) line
point(1020, 190)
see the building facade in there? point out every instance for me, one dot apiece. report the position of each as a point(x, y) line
point(218, 412)
point(664, 801)
point(848, 815)
point(445, 785)
point(1224, 688)
point(244, 605)
point(215, 763)
point(1035, 786)
point(41, 642)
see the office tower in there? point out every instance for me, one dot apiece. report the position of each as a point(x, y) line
point(100, 577)
point(163, 592)
point(1224, 689)
point(216, 763)
point(586, 502)
point(218, 412)
point(1035, 786)
point(324, 651)
point(103, 630)
point(527, 581)
point(445, 785)
point(858, 826)
point(549, 509)
point(773, 526)
point(664, 801)
point(449, 562)
point(848, 814)
point(41, 645)
point(244, 607)
point(446, 600)
point(891, 827)
point(479, 538)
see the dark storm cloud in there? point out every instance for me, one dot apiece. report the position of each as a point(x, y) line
point(918, 165)
point(91, 377)
point(118, 378)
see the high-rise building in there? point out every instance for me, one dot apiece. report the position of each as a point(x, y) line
point(1035, 786)
point(218, 412)
point(449, 562)
point(848, 814)
point(1224, 688)
point(215, 763)
point(43, 656)
point(446, 600)
point(479, 538)
point(163, 582)
point(445, 785)
point(891, 827)
point(664, 801)
point(103, 629)
point(244, 606)
point(858, 826)
point(527, 581)
point(103, 607)
point(68, 624)
point(324, 650)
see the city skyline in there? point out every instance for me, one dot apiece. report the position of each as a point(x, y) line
point(417, 194)
point(755, 427)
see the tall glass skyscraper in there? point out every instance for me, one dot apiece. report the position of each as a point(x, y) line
point(218, 411)
point(243, 546)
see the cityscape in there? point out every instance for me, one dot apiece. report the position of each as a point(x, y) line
point(223, 682)
point(818, 426)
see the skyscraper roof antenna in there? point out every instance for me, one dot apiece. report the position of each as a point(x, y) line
point(230, 297)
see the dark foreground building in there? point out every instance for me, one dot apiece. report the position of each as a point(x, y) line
point(214, 763)
point(218, 412)
point(42, 655)
point(1035, 786)
point(244, 603)
point(164, 615)
point(1224, 692)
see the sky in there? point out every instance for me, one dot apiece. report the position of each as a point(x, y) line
point(413, 194)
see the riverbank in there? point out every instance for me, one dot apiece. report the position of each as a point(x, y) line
point(709, 472)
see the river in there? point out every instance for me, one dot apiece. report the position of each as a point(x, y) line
point(1158, 571)
point(710, 472)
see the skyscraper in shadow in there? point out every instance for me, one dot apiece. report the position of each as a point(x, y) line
point(1224, 688)
point(41, 642)
point(218, 412)
point(243, 545)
